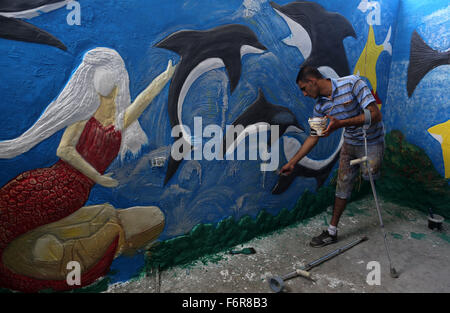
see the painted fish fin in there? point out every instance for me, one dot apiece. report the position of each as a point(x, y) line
point(233, 67)
point(171, 169)
point(179, 42)
point(386, 44)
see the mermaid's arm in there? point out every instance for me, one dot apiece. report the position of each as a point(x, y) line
point(67, 152)
point(146, 97)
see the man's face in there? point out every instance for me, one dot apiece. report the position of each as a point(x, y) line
point(309, 87)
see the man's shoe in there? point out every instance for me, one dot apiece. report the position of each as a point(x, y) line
point(323, 239)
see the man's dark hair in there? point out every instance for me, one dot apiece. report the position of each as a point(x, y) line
point(308, 71)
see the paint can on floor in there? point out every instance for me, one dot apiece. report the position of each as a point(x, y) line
point(435, 222)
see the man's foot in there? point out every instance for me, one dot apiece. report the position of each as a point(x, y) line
point(323, 239)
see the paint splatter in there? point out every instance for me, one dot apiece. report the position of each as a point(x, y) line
point(417, 236)
point(445, 237)
point(396, 236)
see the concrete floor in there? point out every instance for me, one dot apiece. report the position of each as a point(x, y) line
point(420, 255)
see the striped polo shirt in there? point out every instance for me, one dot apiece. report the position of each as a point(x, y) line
point(349, 96)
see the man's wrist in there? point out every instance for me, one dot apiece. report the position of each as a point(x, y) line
point(293, 161)
point(340, 123)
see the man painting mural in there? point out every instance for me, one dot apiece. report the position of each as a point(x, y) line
point(347, 102)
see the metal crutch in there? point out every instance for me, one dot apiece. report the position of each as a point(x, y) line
point(393, 272)
point(277, 282)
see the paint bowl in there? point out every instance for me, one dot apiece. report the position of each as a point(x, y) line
point(318, 125)
point(435, 222)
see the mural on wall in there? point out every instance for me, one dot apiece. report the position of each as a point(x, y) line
point(441, 133)
point(261, 113)
point(423, 59)
point(374, 9)
point(115, 190)
point(367, 62)
point(43, 223)
point(418, 81)
point(318, 169)
point(13, 28)
point(203, 51)
point(310, 23)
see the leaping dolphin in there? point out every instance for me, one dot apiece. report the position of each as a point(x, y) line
point(318, 34)
point(13, 28)
point(261, 114)
point(203, 51)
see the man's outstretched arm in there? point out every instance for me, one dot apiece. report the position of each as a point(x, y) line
point(307, 146)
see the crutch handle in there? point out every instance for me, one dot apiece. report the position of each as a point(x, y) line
point(357, 161)
point(303, 273)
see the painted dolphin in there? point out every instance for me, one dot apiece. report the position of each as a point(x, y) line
point(203, 51)
point(260, 115)
point(422, 59)
point(318, 169)
point(13, 28)
point(318, 34)
point(315, 32)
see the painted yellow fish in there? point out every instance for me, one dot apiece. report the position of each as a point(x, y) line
point(366, 65)
point(441, 132)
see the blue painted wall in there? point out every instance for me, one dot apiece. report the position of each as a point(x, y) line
point(32, 75)
point(429, 104)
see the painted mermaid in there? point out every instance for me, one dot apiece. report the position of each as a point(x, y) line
point(44, 224)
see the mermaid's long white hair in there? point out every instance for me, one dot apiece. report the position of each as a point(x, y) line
point(100, 71)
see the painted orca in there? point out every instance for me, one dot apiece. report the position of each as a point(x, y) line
point(258, 117)
point(203, 51)
point(261, 113)
point(318, 34)
point(13, 28)
point(422, 59)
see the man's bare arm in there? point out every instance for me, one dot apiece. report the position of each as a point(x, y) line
point(358, 120)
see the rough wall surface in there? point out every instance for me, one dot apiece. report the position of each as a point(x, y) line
point(417, 102)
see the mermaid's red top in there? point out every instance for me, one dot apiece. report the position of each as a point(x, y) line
point(46, 195)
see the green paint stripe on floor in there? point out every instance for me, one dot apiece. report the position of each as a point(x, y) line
point(417, 236)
